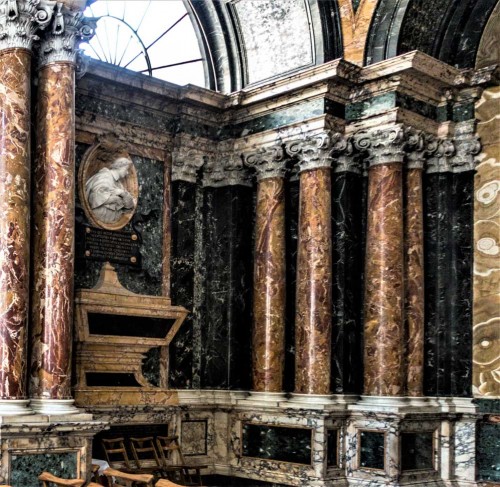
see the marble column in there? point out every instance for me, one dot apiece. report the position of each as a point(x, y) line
point(268, 339)
point(384, 276)
point(53, 200)
point(313, 318)
point(18, 22)
point(414, 264)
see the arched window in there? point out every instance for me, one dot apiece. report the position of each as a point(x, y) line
point(154, 37)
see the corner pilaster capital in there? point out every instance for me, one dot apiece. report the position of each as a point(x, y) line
point(313, 152)
point(416, 148)
point(441, 156)
point(186, 162)
point(345, 156)
point(20, 19)
point(268, 162)
point(67, 29)
point(467, 147)
point(225, 169)
point(384, 146)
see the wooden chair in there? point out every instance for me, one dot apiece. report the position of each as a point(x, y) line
point(116, 454)
point(48, 479)
point(116, 478)
point(171, 456)
point(166, 483)
point(146, 456)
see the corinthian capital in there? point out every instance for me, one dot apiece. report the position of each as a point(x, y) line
point(384, 146)
point(467, 146)
point(416, 148)
point(225, 169)
point(68, 28)
point(20, 19)
point(345, 156)
point(313, 152)
point(269, 162)
point(186, 162)
point(441, 156)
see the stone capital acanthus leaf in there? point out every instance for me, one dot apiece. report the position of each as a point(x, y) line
point(269, 162)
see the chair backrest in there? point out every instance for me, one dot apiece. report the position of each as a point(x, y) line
point(170, 450)
point(144, 450)
point(115, 452)
point(48, 479)
point(166, 483)
point(119, 479)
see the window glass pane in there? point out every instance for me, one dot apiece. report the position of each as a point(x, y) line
point(155, 37)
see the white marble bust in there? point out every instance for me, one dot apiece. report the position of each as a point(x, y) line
point(106, 195)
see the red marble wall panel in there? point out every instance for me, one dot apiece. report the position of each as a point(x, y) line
point(414, 274)
point(269, 287)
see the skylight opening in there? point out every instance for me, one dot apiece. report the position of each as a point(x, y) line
point(153, 37)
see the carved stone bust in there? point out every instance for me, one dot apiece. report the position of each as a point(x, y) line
point(108, 187)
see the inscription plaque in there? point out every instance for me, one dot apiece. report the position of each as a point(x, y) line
point(111, 246)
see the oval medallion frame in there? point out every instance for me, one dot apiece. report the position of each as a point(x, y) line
point(95, 158)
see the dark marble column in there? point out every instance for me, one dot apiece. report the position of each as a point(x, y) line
point(414, 264)
point(54, 199)
point(313, 319)
point(18, 26)
point(268, 338)
point(384, 276)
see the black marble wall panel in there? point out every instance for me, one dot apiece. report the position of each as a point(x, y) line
point(488, 438)
point(225, 274)
point(147, 222)
point(448, 294)
point(182, 280)
point(291, 236)
point(347, 229)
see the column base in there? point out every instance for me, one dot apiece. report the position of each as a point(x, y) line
point(267, 399)
point(55, 407)
point(15, 407)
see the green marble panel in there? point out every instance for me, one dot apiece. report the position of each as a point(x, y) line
point(25, 469)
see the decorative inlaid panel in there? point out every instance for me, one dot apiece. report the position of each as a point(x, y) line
point(194, 437)
point(486, 338)
point(25, 469)
point(417, 451)
point(371, 450)
point(278, 443)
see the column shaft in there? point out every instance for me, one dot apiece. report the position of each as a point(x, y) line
point(414, 273)
point(14, 219)
point(269, 287)
point(384, 291)
point(313, 321)
point(54, 198)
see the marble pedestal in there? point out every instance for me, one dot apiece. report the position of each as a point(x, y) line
point(34, 443)
point(316, 440)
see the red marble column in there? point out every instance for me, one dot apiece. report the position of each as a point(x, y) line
point(414, 265)
point(313, 318)
point(384, 275)
point(268, 338)
point(18, 23)
point(54, 200)
point(14, 222)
